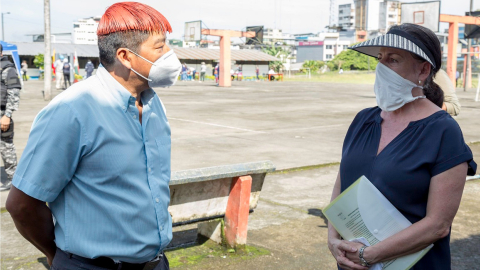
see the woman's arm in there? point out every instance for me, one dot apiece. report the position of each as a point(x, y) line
point(444, 197)
point(338, 247)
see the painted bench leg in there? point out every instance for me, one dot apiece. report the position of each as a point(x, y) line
point(238, 207)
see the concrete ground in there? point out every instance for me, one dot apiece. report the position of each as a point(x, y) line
point(292, 124)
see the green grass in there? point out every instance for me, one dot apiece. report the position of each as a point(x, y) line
point(187, 257)
point(334, 77)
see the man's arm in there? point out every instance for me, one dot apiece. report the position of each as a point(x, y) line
point(13, 100)
point(33, 220)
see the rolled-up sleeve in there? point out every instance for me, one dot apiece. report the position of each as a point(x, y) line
point(53, 150)
point(452, 149)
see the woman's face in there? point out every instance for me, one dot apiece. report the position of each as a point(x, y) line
point(403, 63)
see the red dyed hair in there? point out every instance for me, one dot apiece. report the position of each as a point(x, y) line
point(132, 16)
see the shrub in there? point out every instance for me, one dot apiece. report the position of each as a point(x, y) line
point(352, 60)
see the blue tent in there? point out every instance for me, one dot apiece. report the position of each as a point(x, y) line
point(8, 47)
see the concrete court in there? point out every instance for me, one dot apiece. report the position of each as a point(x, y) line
point(293, 124)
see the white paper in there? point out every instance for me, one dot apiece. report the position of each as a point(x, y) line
point(363, 211)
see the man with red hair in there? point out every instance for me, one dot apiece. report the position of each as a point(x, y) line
point(99, 155)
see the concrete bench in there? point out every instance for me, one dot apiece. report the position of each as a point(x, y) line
point(219, 199)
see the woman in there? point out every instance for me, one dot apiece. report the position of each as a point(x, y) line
point(409, 148)
point(24, 70)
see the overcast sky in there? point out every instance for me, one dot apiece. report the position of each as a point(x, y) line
point(299, 16)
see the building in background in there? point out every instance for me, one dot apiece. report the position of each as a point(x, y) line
point(85, 31)
point(324, 47)
point(55, 38)
point(376, 15)
point(390, 15)
point(277, 37)
point(346, 16)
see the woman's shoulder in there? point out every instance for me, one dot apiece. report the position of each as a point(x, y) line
point(439, 120)
point(367, 115)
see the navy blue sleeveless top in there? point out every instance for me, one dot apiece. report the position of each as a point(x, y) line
point(402, 171)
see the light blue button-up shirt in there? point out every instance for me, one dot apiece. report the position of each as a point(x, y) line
point(104, 174)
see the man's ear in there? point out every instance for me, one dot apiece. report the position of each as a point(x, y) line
point(124, 57)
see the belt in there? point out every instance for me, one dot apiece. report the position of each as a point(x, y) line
point(108, 263)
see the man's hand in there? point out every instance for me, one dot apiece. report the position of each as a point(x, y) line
point(5, 123)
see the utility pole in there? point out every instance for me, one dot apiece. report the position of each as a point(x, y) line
point(468, 76)
point(47, 60)
point(3, 26)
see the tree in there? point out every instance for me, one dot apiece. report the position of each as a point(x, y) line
point(352, 60)
point(39, 61)
point(278, 52)
point(313, 65)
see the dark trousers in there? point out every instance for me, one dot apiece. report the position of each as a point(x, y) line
point(65, 261)
point(66, 78)
point(24, 76)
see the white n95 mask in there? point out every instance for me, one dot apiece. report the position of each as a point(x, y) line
point(392, 90)
point(164, 72)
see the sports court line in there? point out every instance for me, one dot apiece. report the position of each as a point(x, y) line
point(305, 128)
point(216, 125)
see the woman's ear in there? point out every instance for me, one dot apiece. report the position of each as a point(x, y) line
point(424, 71)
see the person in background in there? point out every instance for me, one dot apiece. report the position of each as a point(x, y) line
point(193, 71)
point(66, 73)
point(203, 70)
point(450, 101)
point(24, 70)
point(257, 72)
point(239, 73)
point(100, 155)
point(340, 71)
point(271, 74)
point(59, 73)
point(89, 67)
point(11, 86)
point(457, 75)
point(184, 72)
point(216, 72)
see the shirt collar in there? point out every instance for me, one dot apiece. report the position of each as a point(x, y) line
point(113, 85)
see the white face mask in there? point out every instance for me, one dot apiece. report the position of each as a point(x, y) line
point(164, 72)
point(392, 90)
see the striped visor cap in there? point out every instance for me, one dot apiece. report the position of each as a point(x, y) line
point(395, 39)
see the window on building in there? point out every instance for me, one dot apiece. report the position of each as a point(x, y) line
point(328, 47)
point(345, 47)
point(328, 56)
point(391, 16)
point(341, 12)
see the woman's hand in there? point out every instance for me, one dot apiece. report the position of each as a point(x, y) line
point(355, 257)
point(343, 250)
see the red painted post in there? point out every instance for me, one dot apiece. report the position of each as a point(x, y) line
point(238, 208)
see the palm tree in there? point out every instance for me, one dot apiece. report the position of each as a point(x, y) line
point(278, 52)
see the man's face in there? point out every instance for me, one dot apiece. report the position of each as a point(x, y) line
point(152, 49)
